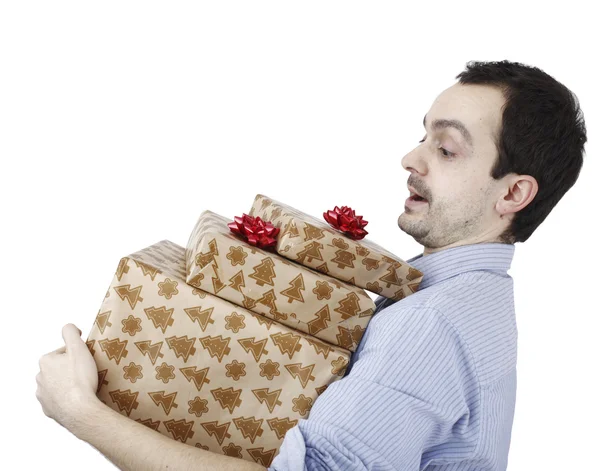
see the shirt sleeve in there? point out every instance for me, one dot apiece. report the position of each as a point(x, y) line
point(409, 392)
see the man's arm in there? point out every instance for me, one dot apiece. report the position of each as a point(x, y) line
point(132, 446)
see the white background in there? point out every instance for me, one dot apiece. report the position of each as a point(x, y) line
point(121, 121)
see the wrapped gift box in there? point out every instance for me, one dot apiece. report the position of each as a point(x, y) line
point(314, 243)
point(200, 369)
point(224, 264)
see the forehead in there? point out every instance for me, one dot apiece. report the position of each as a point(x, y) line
point(478, 107)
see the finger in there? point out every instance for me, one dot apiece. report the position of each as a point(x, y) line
point(72, 336)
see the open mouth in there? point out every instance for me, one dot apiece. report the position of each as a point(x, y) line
point(417, 198)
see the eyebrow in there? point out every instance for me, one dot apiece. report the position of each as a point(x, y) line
point(451, 123)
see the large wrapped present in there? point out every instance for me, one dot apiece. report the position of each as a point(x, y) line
point(200, 369)
point(226, 265)
point(316, 244)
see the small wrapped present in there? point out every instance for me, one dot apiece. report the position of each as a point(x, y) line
point(223, 263)
point(316, 244)
point(199, 369)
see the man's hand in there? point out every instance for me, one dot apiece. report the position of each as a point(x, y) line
point(68, 379)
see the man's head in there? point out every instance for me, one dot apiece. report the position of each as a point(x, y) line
point(495, 180)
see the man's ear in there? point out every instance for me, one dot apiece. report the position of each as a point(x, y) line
point(520, 192)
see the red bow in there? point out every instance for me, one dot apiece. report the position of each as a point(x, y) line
point(346, 221)
point(257, 232)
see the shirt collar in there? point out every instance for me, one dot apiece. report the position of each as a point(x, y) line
point(439, 266)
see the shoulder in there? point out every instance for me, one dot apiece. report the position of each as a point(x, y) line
point(479, 308)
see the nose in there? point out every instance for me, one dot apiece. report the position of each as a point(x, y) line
point(415, 162)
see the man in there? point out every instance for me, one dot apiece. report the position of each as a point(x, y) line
point(432, 385)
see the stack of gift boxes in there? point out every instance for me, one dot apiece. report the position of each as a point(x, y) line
point(225, 345)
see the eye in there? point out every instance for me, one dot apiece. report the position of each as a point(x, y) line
point(445, 153)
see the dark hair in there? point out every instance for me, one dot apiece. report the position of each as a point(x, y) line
point(542, 135)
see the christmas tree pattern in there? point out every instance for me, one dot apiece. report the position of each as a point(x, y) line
point(204, 259)
point(114, 349)
point(122, 268)
point(256, 348)
point(148, 423)
point(311, 251)
point(374, 287)
point(198, 406)
point(414, 287)
point(180, 429)
point(262, 457)
point(413, 274)
point(269, 299)
point(370, 263)
point(131, 325)
point(312, 232)
point(237, 281)
point(294, 292)
point(398, 295)
point(161, 317)
point(349, 306)
point(250, 427)
point(196, 376)
point(218, 285)
point(271, 399)
point(216, 346)
point(204, 447)
point(152, 350)
point(132, 372)
point(182, 346)
point(366, 313)
point(202, 317)
point(345, 338)
point(321, 389)
point(102, 320)
point(235, 322)
point(302, 404)
point(303, 373)
point(126, 400)
point(218, 431)
point(262, 320)
point(235, 370)
point(90, 345)
point(165, 372)
point(228, 398)
point(391, 278)
point(323, 268)
point(167, 401)
point(248, 302)
point(101, 379)
point(236, 255)
point(281, 426)
point(264, 272)
point(320, 347)
point(288, 343)
point(147, 270)
point(361, 251)
point(275, 214)
point(132, 295)
point(320, 323)
point(344, 259)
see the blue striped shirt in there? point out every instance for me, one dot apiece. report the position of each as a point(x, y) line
point(432, 384)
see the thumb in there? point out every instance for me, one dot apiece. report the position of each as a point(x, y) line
point(72, 336)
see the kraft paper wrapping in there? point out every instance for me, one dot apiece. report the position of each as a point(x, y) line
point(199, 369)
point(226, 265)
point(314, 243)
